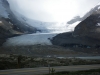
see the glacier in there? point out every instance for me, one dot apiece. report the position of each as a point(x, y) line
point(30, 39)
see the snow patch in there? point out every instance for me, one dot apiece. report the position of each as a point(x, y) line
point(0, 21)
point(98, 24)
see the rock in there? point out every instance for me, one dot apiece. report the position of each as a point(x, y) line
point(90, 27)
point(7, 30)
point(68, 40)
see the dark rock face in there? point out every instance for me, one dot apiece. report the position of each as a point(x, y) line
point(86, 33)
point(68, 40)
point(90, 27)
point(7, 30)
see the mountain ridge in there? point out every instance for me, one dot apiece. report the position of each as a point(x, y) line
point(86, 33)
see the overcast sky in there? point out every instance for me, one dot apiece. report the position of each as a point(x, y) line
point(52, 10)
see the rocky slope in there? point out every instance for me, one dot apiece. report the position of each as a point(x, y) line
point(7, 30)
point(22, 26)
point(86, 33)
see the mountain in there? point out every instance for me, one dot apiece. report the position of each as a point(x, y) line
point(78, 18)
point(86, 33)
point(10, 26)
point(30, 25)
point(25, 35)
point(22, 26)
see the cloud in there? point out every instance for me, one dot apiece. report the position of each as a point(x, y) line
point(44, 10)
point(52, 10)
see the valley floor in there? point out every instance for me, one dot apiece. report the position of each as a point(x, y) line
point(40, 56)
point(50, 51)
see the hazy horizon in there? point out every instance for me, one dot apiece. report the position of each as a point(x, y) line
point(52, 10)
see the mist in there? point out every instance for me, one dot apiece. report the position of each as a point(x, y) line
point(60, 11)
point(52, 10)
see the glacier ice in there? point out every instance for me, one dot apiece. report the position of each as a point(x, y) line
point(30, 39)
